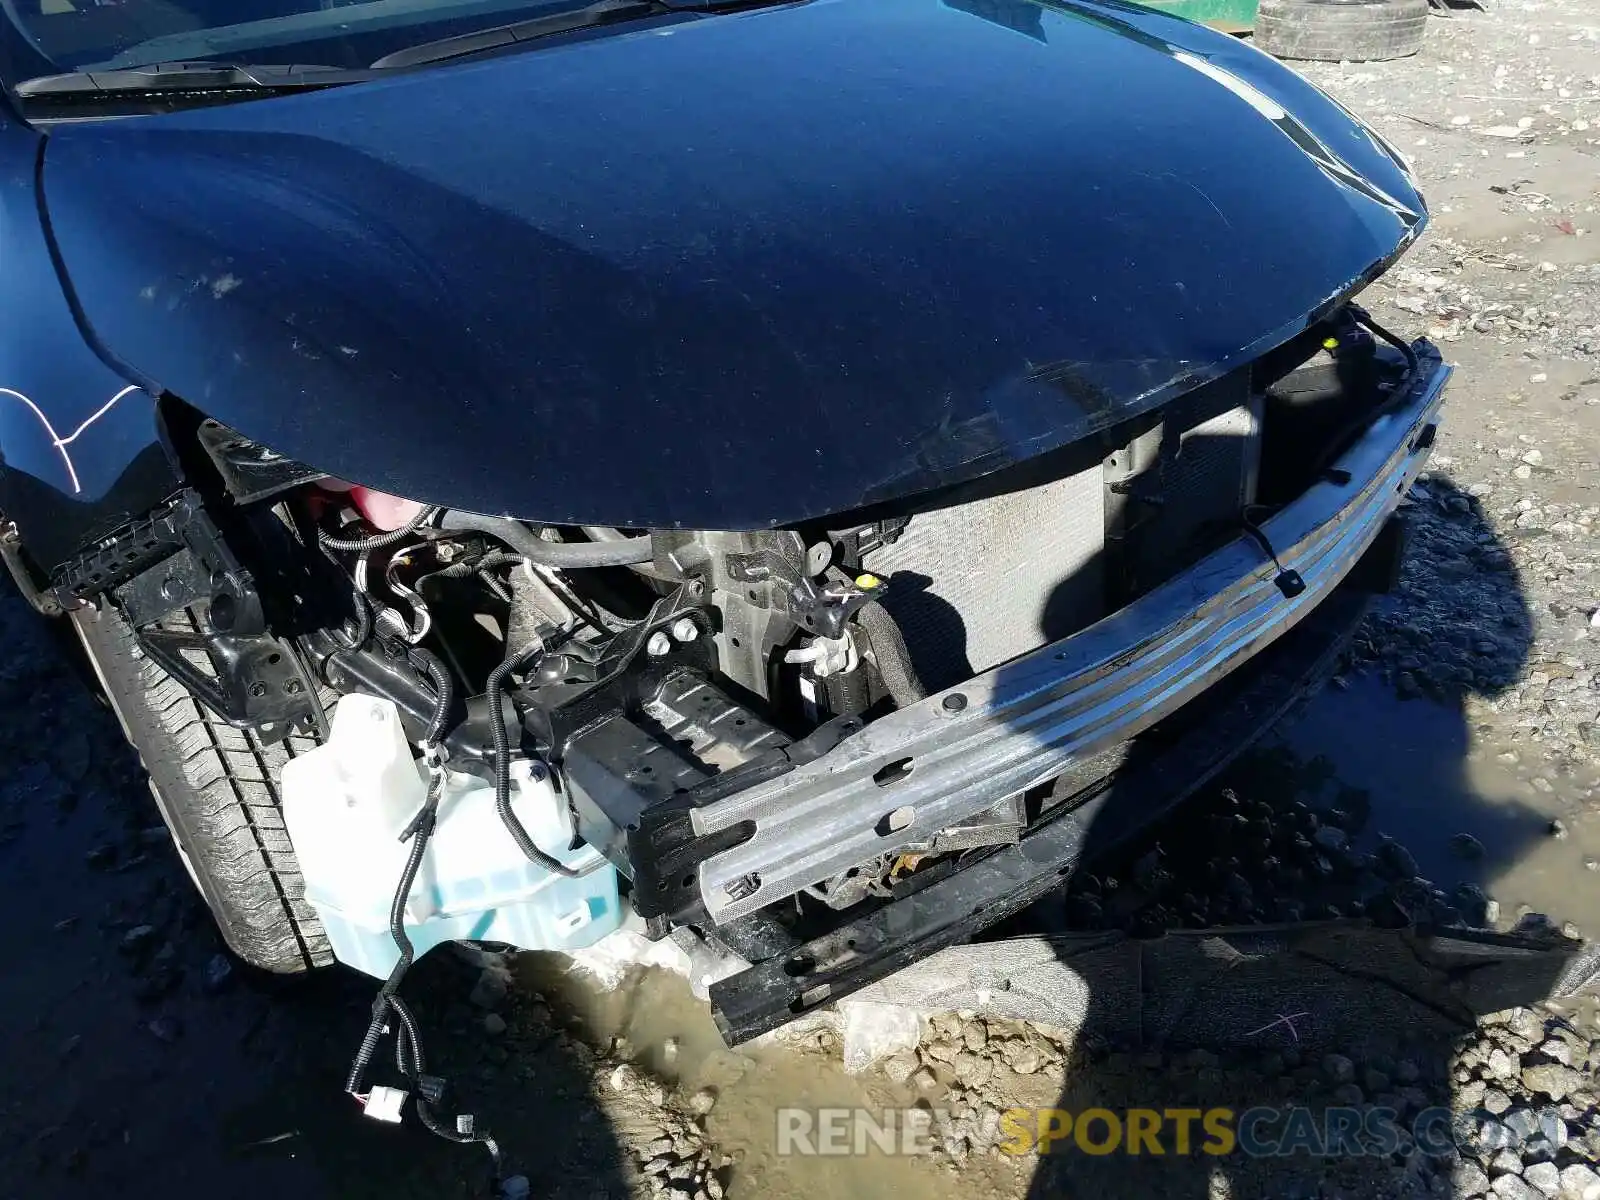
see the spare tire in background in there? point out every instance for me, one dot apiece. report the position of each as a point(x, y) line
point(1341, 30)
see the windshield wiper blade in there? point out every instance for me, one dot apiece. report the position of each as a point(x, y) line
point(443, 49)
point(197, 76)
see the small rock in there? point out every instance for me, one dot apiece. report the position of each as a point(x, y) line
point(1522, 1122)
point(1331, 838)
point(218, 973)
point(1499, 1064)
point(1406, 1072)
point(623, 1078)
point(973, 1070)
point(1560, 1051)
point(1338, 1068)
point(1557, 829)
point(1023, 1058)
point(137, 940)
point(1496, 1101)
point(1468, 1179)
point(975, 1034)
point(1490, 1136)
point(494, 1024)
point(1553, 1128)
point(1394, 861)
point(1544, 1178)
point(1551, 1079)
point(939, 1051)
point(1580, 1182)
point(1525, 1023)
point(1349, 1094)
point(515, 1187)
point(702, 1102)
point(1505, 1162)
point(490, 989)
point(104, 856)
point(1464, 845)
point(898, 1068)
point(165, 1029)
point(924, 1080)
point(1511, 1187)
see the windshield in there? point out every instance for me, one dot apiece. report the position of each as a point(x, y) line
point(44, 36)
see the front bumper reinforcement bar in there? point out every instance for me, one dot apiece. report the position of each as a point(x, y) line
point(961, 751)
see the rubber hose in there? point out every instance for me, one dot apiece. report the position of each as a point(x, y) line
point(502, 764)
point(893, 659)
point(444, 691)
point(383, 540)
point(386, 995)
point(626, 553)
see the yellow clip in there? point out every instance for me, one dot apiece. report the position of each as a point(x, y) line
point(867, 581)
point(1330, 343)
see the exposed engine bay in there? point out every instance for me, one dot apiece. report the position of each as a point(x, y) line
point(657, 672)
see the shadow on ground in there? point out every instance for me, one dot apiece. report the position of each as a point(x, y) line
point(138, 1055)
point(1352, 1041)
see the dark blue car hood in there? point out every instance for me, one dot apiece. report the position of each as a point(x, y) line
point(734, 271)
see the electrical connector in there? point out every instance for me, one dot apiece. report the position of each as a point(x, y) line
point(385, 1104)
point(431, 1088)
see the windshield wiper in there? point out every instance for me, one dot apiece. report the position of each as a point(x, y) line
point(199, 76)
point(605, 12)
point(442, 49)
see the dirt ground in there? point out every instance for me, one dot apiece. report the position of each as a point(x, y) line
point(1460, 741)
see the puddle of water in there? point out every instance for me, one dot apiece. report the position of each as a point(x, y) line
point(653, 1009)
point(1421, 775)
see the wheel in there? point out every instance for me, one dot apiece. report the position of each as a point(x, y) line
point(1341, 30)
point(216, 787)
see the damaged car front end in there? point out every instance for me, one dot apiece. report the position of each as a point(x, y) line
point(813, 442)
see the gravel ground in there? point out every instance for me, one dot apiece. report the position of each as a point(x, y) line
point(139, 1052)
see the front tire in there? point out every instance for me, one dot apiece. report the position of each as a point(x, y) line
point(217, 789)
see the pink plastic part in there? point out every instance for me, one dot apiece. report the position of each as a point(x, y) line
point(382, 510)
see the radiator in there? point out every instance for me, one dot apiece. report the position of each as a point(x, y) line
point(976, 584)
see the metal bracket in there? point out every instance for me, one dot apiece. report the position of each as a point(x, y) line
point(257, 682)
point(177, 559)
point(820, 608)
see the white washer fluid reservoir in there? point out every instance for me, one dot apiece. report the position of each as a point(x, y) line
point(344, 807)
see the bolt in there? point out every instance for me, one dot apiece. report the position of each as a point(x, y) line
point(292, 686)
point(954, 702)
point(685, 630)
point(658, 644)
point(258, 690)
point(171, 589)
